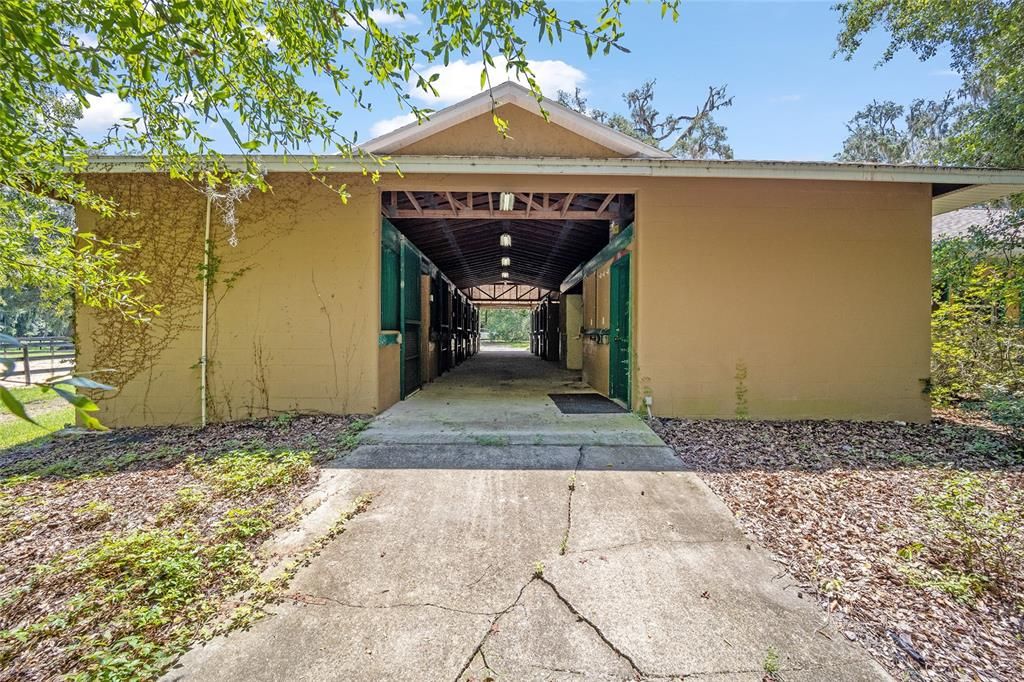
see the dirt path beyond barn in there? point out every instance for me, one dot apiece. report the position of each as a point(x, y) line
point(481, 558)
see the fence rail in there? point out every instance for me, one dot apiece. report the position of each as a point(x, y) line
point(40, 354)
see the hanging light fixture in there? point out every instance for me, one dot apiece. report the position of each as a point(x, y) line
point(504, 275)
point(505, 261)
point(506, 201)
point(505, 239)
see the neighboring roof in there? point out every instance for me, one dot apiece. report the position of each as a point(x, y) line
point(513, 93)
point(958, 223)
point(952, 187)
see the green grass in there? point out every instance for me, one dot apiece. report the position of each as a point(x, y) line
point(36, 394)
point(16, 431)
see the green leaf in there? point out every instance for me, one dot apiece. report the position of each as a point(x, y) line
point(84, 382)
point(90, 422)
point(14, 405)
point(80, 401)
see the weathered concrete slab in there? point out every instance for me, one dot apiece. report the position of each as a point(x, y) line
point(327, 641)
point(526, 562)
point(614, 508)
point(461, 456)
point(696, 608)
point(540, 639)
point(501, 399)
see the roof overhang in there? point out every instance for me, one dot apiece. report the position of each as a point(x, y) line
point(952, 187)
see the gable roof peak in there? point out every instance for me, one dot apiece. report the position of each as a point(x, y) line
point(513, 93)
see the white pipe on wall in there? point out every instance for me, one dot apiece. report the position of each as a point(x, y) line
point(203, 323)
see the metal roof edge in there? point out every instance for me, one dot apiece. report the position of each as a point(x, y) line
point(496, 165)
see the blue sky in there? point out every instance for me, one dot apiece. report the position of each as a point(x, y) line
point(792, 98)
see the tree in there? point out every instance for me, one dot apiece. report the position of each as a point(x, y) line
point(986, 41)
point(977, 335)
point(696, 136)
point(506, 324)
point(887, 132)
point(260, 70)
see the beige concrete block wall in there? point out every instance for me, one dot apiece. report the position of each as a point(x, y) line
point(155, 365)
point(389, 369)
point(817, 292)
point(294, 308)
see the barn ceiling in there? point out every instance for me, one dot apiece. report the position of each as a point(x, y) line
point(551, 233)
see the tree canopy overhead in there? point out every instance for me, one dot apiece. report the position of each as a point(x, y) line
point(985, 39)
point(277, 75)
point(692, 136)
point(887, 132)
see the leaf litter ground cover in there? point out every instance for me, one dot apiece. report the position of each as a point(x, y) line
point(120, 550)
point(911, 536)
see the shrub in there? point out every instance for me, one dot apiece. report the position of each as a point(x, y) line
point(975, 541)
point(242, 524)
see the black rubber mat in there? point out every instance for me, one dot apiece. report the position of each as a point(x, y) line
point(584, 403)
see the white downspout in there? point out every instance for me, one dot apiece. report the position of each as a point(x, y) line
point(203, 325)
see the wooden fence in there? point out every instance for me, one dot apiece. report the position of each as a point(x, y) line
point(39, 354)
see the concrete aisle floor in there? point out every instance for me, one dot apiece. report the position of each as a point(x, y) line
point(578, 560)
point(500, 397)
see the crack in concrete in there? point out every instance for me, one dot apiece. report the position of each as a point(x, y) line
point(478, 649)
point(574, 611)
point(570, 671)
point(400, 605)
point(656, 541)
point(564, 547)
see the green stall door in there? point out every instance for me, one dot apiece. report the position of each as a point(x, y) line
point(619, 360)
point(412, 321)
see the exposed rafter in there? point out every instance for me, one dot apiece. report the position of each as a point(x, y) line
point(472, 205)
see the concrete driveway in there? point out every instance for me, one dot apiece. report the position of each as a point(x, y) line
point(565, 561)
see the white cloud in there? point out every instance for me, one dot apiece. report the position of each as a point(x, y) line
point(103, 111)
point(272, 42)
point(461, 79)
point(389, 124)
point(385, 18)
point(87, 39)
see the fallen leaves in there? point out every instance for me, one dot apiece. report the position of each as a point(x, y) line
point(73, 493)
point(835, 501)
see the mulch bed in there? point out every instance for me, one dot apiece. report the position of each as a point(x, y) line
point(835, 502)
point(46, 490)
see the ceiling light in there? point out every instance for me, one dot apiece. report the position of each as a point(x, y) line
point(505, 261)
point(506, 201)
point(504, 275)
point(505, 239)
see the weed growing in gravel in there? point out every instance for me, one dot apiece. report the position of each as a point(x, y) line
point(770, 664)
point(349, 438)
point(241, 472)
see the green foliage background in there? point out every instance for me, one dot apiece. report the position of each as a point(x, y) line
point(506, 324)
